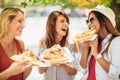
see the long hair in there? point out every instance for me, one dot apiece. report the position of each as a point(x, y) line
point(6, 16)
point(51, 31)
point(105, 22)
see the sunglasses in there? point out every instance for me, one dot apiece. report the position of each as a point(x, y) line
point(91, 20)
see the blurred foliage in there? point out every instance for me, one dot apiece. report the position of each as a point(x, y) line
point(114, 4)
point(68, 3)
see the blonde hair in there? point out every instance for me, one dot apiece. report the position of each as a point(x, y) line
point(6, 16)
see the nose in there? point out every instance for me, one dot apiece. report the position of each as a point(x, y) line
point(23, 25)
point(66, 23)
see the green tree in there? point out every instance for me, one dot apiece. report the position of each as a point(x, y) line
point(113, 4)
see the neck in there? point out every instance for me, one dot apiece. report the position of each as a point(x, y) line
point(7, 41)
point(103, 33)
point(58, 39)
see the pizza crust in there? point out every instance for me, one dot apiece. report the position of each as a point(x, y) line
point(54, 55)
point(27, 55)
point(85, 35)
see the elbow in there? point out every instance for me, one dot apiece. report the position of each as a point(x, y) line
point(41, 70)
point(74, 72)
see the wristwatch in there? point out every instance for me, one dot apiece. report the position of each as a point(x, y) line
point(98, 56)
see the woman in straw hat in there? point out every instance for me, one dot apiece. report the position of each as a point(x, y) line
point(100, 58)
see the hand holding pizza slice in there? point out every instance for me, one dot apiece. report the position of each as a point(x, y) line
point(27, 55)
point(55, 54)
point(85, 36)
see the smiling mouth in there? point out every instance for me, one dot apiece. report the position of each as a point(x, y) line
point(65, 30)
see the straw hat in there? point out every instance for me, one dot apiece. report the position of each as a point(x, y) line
point(105, 11)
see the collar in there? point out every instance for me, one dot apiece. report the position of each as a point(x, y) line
point(107, 39)
point(105, 42)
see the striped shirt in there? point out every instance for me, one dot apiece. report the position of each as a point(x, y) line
point(57, 73)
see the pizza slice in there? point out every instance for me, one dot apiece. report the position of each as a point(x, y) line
point(27, 55)
point(86, 35)
point(55, 54)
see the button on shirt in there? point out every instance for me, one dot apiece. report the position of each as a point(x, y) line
point(113, 58)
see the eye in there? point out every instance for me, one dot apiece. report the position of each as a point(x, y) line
point(20, 21)
point(92, 20)
point(62, 21)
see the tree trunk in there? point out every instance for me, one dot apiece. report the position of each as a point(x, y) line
point(116, 8)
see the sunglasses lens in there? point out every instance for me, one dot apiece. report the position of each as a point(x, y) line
point(87, 21)
point(92, 20)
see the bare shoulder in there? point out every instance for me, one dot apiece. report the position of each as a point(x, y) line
point(21, 44)
point(41, 43)
point(75, 48)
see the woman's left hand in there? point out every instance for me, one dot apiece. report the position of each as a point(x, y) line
point(58, 64)
point(94, 46)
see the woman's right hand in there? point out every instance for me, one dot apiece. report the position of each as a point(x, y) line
point(14, 69)
point(85, 46)
point(18, 67)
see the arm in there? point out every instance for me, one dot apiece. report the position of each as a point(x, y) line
point(94, 46)
point(5, 75)
point(26, 72)
point(15, 68)
point(75, 47)
point(69, 68)
point(84, 55)
point(112, 67)
point(41, 69)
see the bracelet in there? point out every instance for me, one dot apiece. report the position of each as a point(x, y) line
point(98, 56)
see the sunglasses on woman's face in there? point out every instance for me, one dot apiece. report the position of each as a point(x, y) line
point(91, 20)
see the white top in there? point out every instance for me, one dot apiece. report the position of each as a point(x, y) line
point(56, 73)
point(113, 58)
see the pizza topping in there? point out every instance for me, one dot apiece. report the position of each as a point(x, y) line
point(55, 54)
point(27, 55)
point(85, 35)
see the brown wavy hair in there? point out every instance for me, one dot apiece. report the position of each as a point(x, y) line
point(105, 22)
point(51, 31)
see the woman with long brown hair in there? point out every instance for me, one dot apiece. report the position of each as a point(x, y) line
point(100, 58)
point(57, 32)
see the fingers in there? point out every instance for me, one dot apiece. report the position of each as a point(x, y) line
point(25, 62)
point(26, 67)
point(59, 64)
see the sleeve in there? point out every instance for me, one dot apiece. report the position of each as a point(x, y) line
point(114, 50)
point(83, 71)
point(76, 64)
point(75, 56)
point(40, 52)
